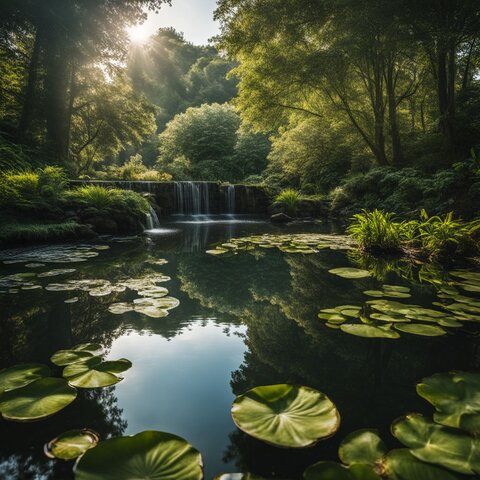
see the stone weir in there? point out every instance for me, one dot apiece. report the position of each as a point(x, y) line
point(195, 198)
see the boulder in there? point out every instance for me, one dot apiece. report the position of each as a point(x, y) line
point(280, 218)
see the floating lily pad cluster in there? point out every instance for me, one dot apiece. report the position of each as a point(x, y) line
point(389, 291)
point(29, 392)
point(18, 281)
point(436, 450)
point(289, 243)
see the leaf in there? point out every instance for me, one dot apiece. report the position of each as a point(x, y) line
point(437, 444)
point(369, 331)
point(95, 373)
point(361, 446)
point(147, 455)
point(456, 398)
point(37, 400)
point(420, 329)
point(70, 445)
point(20, 375)
point(286, 415)
point(347, 272)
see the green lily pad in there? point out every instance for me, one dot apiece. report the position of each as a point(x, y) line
point(400, 464)
point(456, 398)
point(362, 446)
point(78, 353)
point(237, 476)
point(347, 272)
point(217, 251)
point(95, 373)
point(420, 329)
point(147, 455)
point(37, 400)
point(389, 318)
point(71, 444)
point(432, 443)
point(396, 288)
point(369, 331)
point(20, 375)
point(286, 415)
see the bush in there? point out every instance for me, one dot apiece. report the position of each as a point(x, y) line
point(377, 230)
point(436, 236)
point(34, 232)
point(104, 199)
point(291, 198)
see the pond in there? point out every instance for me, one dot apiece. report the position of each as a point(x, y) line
point(243, 318)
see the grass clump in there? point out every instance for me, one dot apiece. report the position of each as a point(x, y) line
point(433, 237)
point(104, 199)
point(291, 199)
point(34, 232)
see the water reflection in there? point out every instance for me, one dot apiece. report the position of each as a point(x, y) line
point(243, 320)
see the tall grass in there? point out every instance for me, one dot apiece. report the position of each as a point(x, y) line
point(378, 230)
point(291, 198)
point(434, 236)
point(104, 199)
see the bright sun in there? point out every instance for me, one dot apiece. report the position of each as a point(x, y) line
point(138, 33)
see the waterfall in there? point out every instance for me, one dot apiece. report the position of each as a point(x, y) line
point(230, 199)
point(152, 219)
point(192, 198)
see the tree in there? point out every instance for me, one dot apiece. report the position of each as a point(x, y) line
point(207, 143)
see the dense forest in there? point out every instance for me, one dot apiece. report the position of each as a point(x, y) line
point(365, 103)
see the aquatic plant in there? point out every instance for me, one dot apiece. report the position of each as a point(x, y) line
point(70, 445)
point(378, 230)
point(291, 199)
point(149, 454)
point(286, 415)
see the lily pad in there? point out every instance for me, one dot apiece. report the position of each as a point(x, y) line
point(432, 443)
point(400, 464)
point(456, 398)
point(147, 455)
point(238, 476)
point(348, 272)
point(95, 373)
point(37, 400)
point(66, 357)
point(362, 446)
point(369, 331)
point(71, 444)
point(420, 329)
point(20, 375)
point(286, 415)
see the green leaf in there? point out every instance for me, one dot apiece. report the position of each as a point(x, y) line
point(147, 455)
point(369, 331)
point(95, 373)
point(420, 329)
point(37, 400)
point(437, 444)
point(20, 375)
point(400, 464)
point(71, 444)
point(347, 272)
point(362, 446)
point(286, 415)
point(456, 398)
point(335, 471)
point(237, 476)
point(67, 357)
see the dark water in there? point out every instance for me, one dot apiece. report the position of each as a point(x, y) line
point(243, 320)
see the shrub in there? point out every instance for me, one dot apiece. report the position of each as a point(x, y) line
point(104, 199)
point(291, 198)
point(377, 230)
point(52, 181)
point(34, 232)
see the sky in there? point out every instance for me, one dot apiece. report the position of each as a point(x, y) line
point(192, 17)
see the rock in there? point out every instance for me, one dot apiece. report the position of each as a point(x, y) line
point(280, 218)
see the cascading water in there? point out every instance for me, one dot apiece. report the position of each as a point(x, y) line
point(230, 199)
point(192, 198)
point(152, 219)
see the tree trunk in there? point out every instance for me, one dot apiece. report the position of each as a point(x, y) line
point(397, 150)
point(56, 85)
point(26, 116)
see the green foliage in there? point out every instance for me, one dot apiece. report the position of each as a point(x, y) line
point(209, 143)
point(377, 230)
point(135, 170)
point(291, 198)
point(103, 199)
point(14, 233)
point(435, 236)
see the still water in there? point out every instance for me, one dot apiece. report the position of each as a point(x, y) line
point(243, 320)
